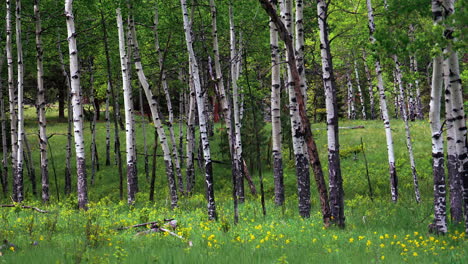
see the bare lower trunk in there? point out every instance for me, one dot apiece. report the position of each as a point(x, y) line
point(383, 108)
point(312, 151)
point(77, 107)
point(108, 132)
point(201, 114)
point(12, 99)
point(191, 141)
point(409, 144)
point(129, 122)
point(3, 134)
point(157, 122)
point(170, 124)
point(334, 167)
point(276, 114)
point(41, 106)
point(20, 88)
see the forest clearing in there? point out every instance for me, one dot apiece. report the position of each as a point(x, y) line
point(207, 131)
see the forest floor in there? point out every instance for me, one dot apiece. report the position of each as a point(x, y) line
point(377, 231)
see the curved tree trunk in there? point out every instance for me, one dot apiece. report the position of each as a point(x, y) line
point(157, 122)
point(334, 167)
point(77, 107)
point(20, 87)
point(383, 108)
point(41, 105)
point(167, 95)
point(201, 114)
point(409, 145)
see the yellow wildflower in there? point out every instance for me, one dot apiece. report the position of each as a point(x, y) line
point(415, 254)
point(382, 245)
point(368, 243)
point(382, 257)
point(351, 240)
point(287, 241)
point(12, 249)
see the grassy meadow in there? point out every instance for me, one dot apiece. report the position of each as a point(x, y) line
point(377, 231)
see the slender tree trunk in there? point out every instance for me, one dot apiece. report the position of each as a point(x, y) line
point(41, 106)
point(3, 133)
point(351, 107)
point(361, 96)
point(300, 152)
point(108, 132)
point(157, 122)
point(369, 86)
point(67, 173)
point(238, 158)
point(116, 107)
point(77, 108)
point(414, 71)
point(306, 130)
point(299, 42)
point(13, 99)
point(383, 108)
point(94, 155)
point(409, 145)
point(167, 95)
point(454, 88)
point(191, 140)
point(30, 165)
point(20, 87)
point(143, 129)
point(129, 122)
point(334, 167)
point(201, 114)
point(276, 112)
point(153, 172)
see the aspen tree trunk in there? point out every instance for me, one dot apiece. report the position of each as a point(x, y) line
point(351, 107)
point(77, 107)
point(238, 158)
point(276, 111)
point(299, 42)
point(334, 167)
point(167, 95)
point(201, 114)
point(181, 123)
point(107, 117)
point(312, 151)
point(116, 107)
point(41, 105)
point(67, 187)
point(383, 108)
point(20, 136)
point(12, 99)
point(370, 86)
point(361, 96)
point(300, 152)
point(414, 71)
point(143, 128)
point(440, 221)
point(409, 144)
point(191, 139)
point(455, 183)
point(93, 121)
point(454, 85)
point(129, 122)
point(156, 119)
point(3, 134)
point(225, 102)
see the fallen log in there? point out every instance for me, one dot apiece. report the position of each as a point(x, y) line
point(25, 207)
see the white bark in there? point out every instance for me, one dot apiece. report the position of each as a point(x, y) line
point(351, 107)
point(409, 144)
point(370, 87)
point(12, 96)
point(157, 123)
point(165, 86)
point(20, 136)
point(361, 96)
point(77, 106)
point(41, 105)
point(201, 112)
point(299, 42)
point(276, 114)
point(383, 108)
